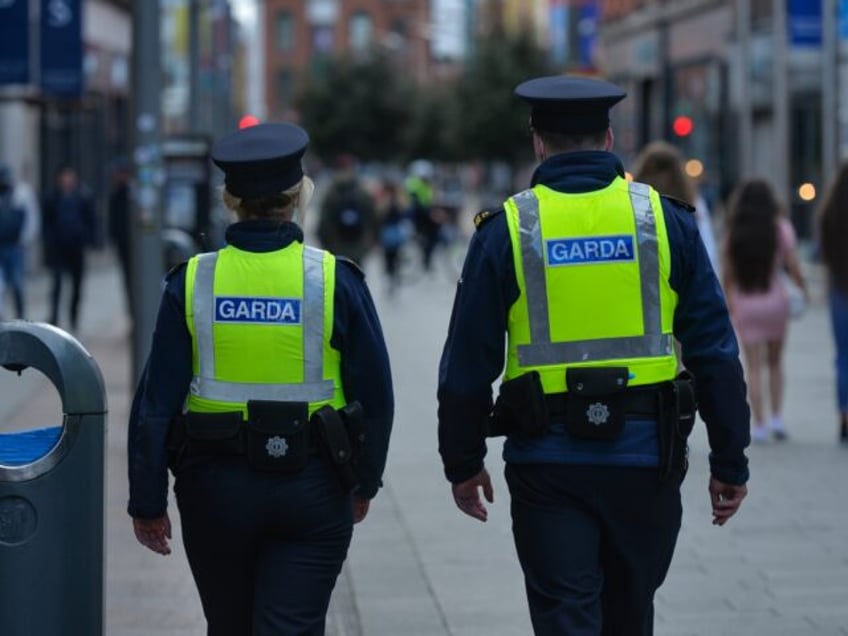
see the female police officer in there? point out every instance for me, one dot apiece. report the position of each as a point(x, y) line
point(251, 342)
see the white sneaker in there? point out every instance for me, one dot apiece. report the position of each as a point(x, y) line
point(760, 434)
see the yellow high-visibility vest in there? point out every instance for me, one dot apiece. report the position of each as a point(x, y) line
point(260, 327)
point(592, 270)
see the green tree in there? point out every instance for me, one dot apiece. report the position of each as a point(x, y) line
point(492, 122)
point(357, 106)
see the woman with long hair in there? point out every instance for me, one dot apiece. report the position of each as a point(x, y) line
point(833, 228)
point(660, 165)
point(760, 245)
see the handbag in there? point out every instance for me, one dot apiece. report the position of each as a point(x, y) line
point(797, 300)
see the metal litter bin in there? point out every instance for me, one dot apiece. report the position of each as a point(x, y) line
point(51, 494)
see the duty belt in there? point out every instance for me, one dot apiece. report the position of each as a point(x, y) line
point(642, 401)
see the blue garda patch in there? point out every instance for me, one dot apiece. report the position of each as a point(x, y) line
point(280, 311)
point(596, 249)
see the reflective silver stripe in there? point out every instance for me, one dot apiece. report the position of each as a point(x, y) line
point(242, 392)
point(649, 262)
point(313, 389)
point(533, 260)
point(203, 305)
point(313, 315)
point(542, 351)
point(650, 346)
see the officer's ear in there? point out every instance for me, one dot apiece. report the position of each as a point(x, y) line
point(538, 147)
point(609, 141)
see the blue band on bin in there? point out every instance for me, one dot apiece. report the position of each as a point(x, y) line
point(25, 447)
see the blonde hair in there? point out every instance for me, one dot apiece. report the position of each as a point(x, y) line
point(283, 206)
point(660, 165)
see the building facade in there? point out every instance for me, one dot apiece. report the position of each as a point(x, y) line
point(299, 35)
point(42, 130)
point(745, 75)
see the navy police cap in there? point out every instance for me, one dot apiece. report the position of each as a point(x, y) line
point(569, 105)
point(261, 160)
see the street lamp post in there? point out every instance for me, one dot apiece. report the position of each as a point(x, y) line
point(830, 90)
point(146, 241)
point(743, 42)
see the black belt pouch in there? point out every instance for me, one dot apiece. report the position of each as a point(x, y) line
point(277, 435)
point(595, 405)
point(213, 433)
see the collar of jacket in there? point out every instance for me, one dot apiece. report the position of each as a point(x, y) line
point(576, 172)
point(263, 235)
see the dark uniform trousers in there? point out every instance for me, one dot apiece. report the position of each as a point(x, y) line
point(265, 548)
point(594, 542)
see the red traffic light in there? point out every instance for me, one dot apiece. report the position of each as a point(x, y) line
point(683, 126)
point(247, 121)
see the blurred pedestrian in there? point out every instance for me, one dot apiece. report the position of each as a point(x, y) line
point(760, 246)
point(70, 228)
point(267, 375)
point(589, 278)
point(19, 223)
point(120, 218)
point(661, 166)
point(348, 220)
point(393, 232)
point(832, 231)
point(425, 216)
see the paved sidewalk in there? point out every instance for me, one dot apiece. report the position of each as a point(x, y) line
point(418, 567)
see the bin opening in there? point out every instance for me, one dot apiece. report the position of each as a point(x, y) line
point(25, 447)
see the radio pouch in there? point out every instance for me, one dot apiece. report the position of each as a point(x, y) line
point(213, 433)
point(520, 408)
point(354, 421)
point(334, 437)
point(595, 406)
point(277, 435)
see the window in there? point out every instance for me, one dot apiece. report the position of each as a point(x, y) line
point(285, 31)
point(361, 31)
point(284, 87)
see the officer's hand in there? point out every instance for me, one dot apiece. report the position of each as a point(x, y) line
point(154, 533)
point(467, 496)
point(726, 499)
point(360, 508)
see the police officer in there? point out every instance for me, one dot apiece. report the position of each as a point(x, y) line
point(591, 278)
point(265, 354)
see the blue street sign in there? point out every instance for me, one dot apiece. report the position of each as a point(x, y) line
point(61, 47)
point(14, 41)
point(805, 23)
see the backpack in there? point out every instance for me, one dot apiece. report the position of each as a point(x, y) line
point(350, 218)
point(12, 218)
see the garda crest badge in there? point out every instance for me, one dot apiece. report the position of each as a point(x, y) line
point(598, 413)
point(276, 447)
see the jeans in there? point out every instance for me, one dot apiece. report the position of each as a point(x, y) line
point(839, 321)
point(12, 267)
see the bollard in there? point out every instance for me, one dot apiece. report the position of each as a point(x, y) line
point(51, 494)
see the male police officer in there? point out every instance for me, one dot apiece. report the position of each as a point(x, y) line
point(268, 345)
point(591, 278)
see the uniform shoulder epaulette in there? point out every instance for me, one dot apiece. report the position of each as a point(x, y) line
point(352, 264)
point(484, 216)
point(686, 206)
point(173, 271)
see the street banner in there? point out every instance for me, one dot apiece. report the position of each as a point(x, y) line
point(14, 42)
point(805, 23)
point(61, 47)
point(843, 19)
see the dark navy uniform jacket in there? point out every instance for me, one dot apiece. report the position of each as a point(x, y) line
point(474, 354)
point(164, 385)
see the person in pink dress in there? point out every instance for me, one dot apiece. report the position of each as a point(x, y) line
point(760, 246)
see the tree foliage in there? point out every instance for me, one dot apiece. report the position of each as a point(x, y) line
point(357, 106)
point(368, 107)
point(493, 123)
